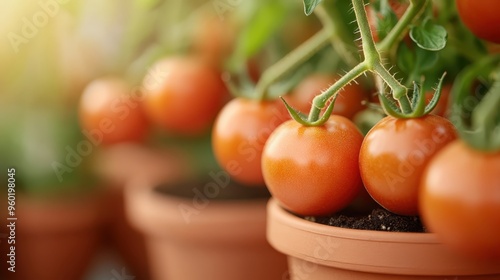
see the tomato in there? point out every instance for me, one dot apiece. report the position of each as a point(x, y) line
point(394, 154)
point(239, 134)
point(460, 199)
point(481, 17)
point(348, 103)
point(183, 95)
point(213, 39)
point(108, 114)
point(441, 108)
point(313, 171)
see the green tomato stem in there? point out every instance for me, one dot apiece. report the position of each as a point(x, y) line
point(373, 60)
point(398, 90)
point(319, 102)
point(401, 27)
point(485, 117)
point(372, 57)
point(332, 21)
point(289, 62)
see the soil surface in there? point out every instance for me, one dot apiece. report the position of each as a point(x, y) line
point(213, 189)
point(379, 219)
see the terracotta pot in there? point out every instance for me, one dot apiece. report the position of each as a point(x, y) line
point(192, 238)
point(320, 252)
point(128, 243)
point(56, 239)
point(117, 165)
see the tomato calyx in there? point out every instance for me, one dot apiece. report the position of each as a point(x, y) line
point(304, 120)
point(476, 116)
point(418, 107)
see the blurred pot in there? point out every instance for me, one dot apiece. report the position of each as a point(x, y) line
point(192, 237)
point(56, 239)
point(128, 243)
point(119, 164)
point(320, 252)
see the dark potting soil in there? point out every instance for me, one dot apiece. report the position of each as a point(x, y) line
point(379, 219)
point(213, 188)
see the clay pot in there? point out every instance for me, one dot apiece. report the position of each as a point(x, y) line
point(320, 252)
point(117, 165)
point(56, 239)
point(193, 238)
point(127, 242)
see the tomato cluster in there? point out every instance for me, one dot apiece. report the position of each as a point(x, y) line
point(410, 165)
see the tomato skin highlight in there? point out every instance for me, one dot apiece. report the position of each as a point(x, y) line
point(460, 199)
point(183, 95)
point(109, 115)
point(239, 134)
point(481, 17)
point(394, 154)
point(313, 170)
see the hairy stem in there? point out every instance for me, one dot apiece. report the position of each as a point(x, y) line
point(319, 101)
point(370, 52)
point(373, 60)
point(331, 20)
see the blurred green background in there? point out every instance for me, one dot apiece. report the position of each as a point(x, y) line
point(51, 49)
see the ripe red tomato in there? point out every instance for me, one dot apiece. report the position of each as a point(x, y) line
point(348, 103)
point(481, 17)
point(460, 199)
point(313, 170)
point(183, 95)
point(394, 154)
point(213, 38)
point(108, 114)
point(239, 134)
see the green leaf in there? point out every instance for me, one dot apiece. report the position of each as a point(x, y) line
point(429, 36)
point(425, 59)
point(267, 18)
point(310, 5)
point(406, 59)
point(387, 19)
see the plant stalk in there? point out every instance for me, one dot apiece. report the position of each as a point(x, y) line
point(373, 60)
point(330, 19)
point(401, 27)
point(290, 61)
point(319, 102)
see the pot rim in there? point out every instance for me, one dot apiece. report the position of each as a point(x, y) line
point(216, 221)
point(283, 215)
point(397, 253)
